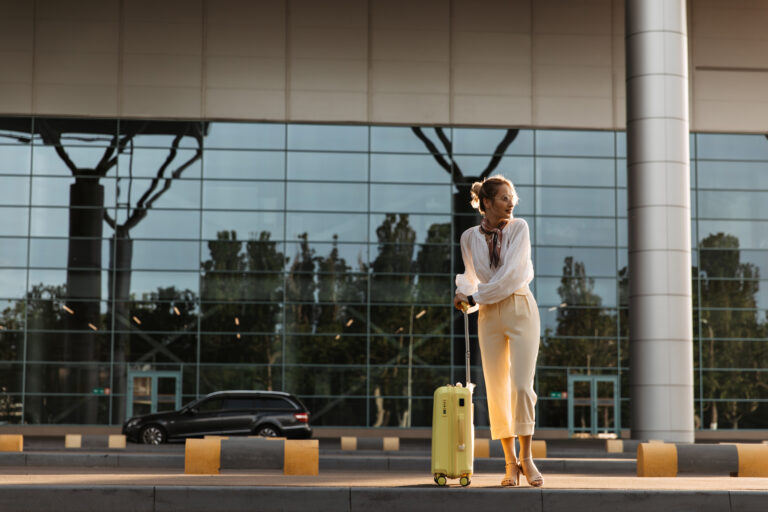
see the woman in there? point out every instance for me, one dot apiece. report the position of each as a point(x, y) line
point(497, 270)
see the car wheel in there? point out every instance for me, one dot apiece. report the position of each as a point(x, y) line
point(152, 434)
point(268, 431)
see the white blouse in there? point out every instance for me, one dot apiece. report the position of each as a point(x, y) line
point(515, 270)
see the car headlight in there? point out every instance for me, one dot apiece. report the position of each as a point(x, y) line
point(132, 423)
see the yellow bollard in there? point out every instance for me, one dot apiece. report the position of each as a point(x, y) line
point(539, 449)
point(73, 441)
point(614, 445)
point(753, 459)
point(390, 444)
point(656, 459)
point(348, 443)
point(301, 457)
point(202, 457)
point(116, 441)
point(482, 448)
point(11, 443)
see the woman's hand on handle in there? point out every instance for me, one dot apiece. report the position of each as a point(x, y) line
point(458, 299)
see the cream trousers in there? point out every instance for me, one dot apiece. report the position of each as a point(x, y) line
point(509, 343)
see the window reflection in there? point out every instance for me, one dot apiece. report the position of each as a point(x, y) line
point(327, 166)
point(574, 143)
point(246, 195)
point(575, 231)
point(388, 228)
point(404, 139)
point(411, 198)
point(408, 168)
point(517, 169)
point(327, 137)
point(732, 175)
point(575, 171)
point(351, 197)
point(247, 225)
point(239, 164)
point(14, 159)
point(582, 201)
point(245, 135)
point(599, 262)
point(345, 227)
point(731, 147)
point(486, 141)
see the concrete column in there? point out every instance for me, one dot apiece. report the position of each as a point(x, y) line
point(661, 335)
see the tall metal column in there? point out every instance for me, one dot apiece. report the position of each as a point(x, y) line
point(659, 211)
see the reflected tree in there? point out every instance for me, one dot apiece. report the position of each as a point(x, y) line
point(730, 329)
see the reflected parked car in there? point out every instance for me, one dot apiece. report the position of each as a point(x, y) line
point(262, 413)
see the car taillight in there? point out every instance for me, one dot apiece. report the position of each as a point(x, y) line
point(301, 417)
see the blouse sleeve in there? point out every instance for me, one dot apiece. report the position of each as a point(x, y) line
point(466, 283)
point(515, 272)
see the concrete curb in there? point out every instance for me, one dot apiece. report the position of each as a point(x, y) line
point(31, 498)
point(349, 462)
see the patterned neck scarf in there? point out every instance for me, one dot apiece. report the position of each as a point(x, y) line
point(493, 239)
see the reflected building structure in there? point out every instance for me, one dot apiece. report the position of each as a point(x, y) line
point(279, 237)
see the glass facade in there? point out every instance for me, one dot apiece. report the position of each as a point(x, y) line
point(319, 259)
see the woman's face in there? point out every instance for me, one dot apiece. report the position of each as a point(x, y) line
point(501, 206)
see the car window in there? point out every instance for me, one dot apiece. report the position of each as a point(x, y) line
point(269, 402)
point(239, 403)
point(212, 404)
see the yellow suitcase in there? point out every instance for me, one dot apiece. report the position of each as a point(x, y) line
point(453, 428)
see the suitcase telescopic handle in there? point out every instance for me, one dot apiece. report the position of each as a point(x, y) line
point(466, 341)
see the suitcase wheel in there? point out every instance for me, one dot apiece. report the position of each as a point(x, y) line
point(465, 481)
point(441, 480)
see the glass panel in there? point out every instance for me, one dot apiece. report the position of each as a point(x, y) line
point(244, 195)
point(344, 197)
point(162, 255)
point(13, 252)
point(142, 395)
point(302, 287)
point(568, 201)
point(525, 205)
point(252, 255)
point(346, 350)
point(411, 198)
point(11, 341)
point(158, 163)
point(576, 171)
point(13, 283)
point(327, 226)
point(403, 139)
point(582, 406)
point(335, 411)
point(347, 256)
point(251, 225)
point(15, 191)
point(229, 318)
point(391, 228)
point(14, 159)
point(146, 283)
point(732, 147)
point(143, 133)
point(517, 169)
point(597, 262)
point(14, 221)
point(732, 175)
point(218, 377)
point(327, 137)
point(66, 410)
point(239, 164)
point(578, 321)
point(733, 205)
point(414, 168)
point(238, 286)
point(574, 231)
point(750, 234)
point(621, 172)
point(733, 263)
point(245, 135)
point(47, 161)
point(168, 224)
point(330, 381)
point(485, 141)
point(327, 166)
point(574, 143)
point(606, 414)
point(178, 193)
point(166, 394)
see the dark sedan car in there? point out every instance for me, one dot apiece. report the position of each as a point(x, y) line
point(263, 413)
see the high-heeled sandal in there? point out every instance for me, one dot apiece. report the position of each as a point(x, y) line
point(514, 480)
point(535, 479)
